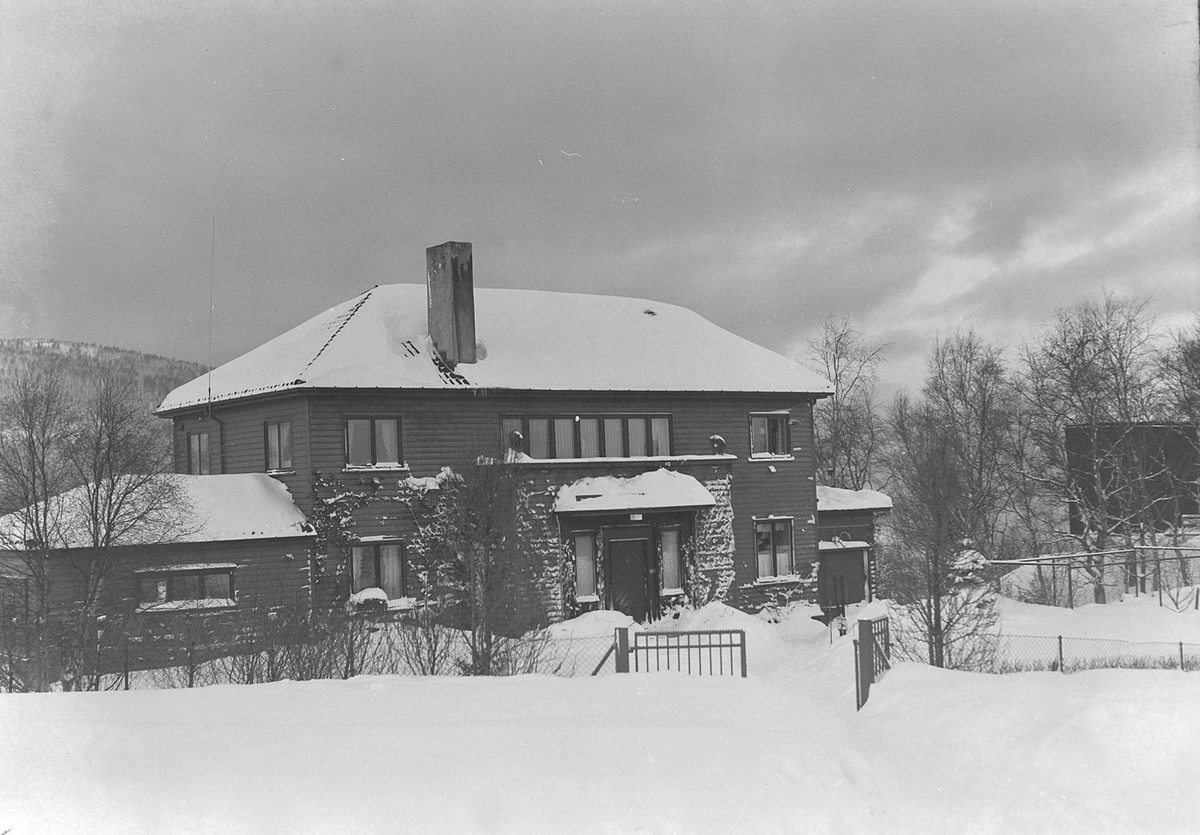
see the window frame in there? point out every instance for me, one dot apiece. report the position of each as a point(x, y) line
point(594, 595)
point(275, 426)
point(163, 581)
point(376, 547)
point(772, 521)
point(786, 434)
point(577, 419)
point(375, 463)
point(201, 463)
point(662, 554)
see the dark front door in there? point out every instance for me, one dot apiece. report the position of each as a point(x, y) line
point(629, 576)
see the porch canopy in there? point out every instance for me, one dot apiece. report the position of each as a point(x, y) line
point(661, 489)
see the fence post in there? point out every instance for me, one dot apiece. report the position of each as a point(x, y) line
point(742, 632)
point(125, 661)
point(1061, 667)
point(1181, 667)
point(622, 641)
point(858, 699)
point(191, 663)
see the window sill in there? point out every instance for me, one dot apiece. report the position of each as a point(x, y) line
point(775, 581)
point(770, 456)
point(375, 468)
point(645, 459)
point(281, 472)
point(187, 605)
point(671, 592)
point(587, 598)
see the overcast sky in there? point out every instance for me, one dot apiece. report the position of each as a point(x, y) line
point(914, 166)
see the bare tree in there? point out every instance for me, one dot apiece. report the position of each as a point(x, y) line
point(847, 425)
point(1092, 368)
point(470, 544)
point(81, 479)
point(938, 617)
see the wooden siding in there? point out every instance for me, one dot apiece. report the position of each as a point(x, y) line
point(443, 428)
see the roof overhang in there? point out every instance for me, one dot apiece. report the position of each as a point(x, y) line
point(658, 490)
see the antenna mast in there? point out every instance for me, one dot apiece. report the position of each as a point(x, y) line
point(212, 256)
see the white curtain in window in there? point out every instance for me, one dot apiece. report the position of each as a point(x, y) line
point(387, 441)
point(670, 559)
point(585, 564)
point(766, 562)
point(362, 570)
point(391, 570)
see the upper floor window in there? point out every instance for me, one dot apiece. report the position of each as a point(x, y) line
point(380, 566)
point(769, 434)
point(589, 436)
point(197, 460)
point(773, 544)
point(279, 445)
point(373, 442)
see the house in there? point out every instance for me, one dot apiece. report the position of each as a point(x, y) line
point(660, 456)
point(846, 524)
point(225, 540)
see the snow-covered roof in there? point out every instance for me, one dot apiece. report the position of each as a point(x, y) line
point(835, 498)
point(215, 508)
point(530, 340)
point(842, 545)
point(657, 490)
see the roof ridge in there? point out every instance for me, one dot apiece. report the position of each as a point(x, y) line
point(345, 320)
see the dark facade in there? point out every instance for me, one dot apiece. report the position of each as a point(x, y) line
point(755, 545)
point(1131, 477)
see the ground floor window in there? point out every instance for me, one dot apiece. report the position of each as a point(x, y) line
point(187, 586)
point(379, 565)
point(585, 565)
point(671, 580)
point(773, 543)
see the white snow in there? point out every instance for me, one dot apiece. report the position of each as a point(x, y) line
point(536, 340)
point(933, 751)
point(215, 508)
point(655, 490)
point(836, 498)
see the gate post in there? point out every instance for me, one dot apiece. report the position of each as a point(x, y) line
point(866, 660)
point(622, 643)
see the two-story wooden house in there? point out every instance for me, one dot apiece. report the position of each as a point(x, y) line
point(660, 455)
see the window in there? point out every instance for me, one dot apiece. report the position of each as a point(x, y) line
point(379, 566)
point(769, 435)
point(186, 587)
point(279, 445)
point(669, 538)
point(373, 442)
point(773, 541)
point(585, 436)
point(585, 565)
point(197, 463)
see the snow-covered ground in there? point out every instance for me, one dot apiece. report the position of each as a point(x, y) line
point(780, 751)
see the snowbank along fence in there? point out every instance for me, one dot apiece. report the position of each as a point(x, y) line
point(872, 656)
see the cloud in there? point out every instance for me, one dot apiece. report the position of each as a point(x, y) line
point(910, 165)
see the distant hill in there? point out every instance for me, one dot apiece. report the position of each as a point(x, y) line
point(153, 376)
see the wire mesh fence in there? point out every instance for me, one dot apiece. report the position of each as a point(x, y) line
point(1025, 653)
point(1165, 573)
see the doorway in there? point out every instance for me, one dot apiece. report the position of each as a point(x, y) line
point(628, 560)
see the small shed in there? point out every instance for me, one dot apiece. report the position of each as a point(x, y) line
point(846, 524)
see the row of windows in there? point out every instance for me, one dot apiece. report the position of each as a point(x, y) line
point(588, 436)
point(376, 441)
point(383, 565)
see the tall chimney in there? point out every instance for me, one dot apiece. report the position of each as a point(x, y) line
point(451, 289)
